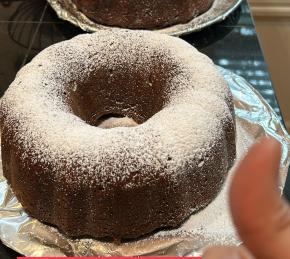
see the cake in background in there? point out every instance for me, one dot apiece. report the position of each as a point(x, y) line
point(142, 14)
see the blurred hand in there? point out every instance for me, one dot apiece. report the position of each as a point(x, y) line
point(261, 216)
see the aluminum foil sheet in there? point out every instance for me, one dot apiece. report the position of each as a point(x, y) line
point(213, 225)
point(66, 10)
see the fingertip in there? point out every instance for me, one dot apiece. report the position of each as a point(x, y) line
point(260, 164)
point(254, 196)
point(271, 144)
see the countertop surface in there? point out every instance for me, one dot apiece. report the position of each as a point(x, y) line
point(29, 26)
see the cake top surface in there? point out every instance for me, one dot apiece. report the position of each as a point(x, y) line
point(36, 110)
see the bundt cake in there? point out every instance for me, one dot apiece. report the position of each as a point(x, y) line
point(69, 168)
point(142, 14)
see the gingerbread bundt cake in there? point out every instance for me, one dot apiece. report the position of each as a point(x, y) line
point(142, 14)
point(119, 182)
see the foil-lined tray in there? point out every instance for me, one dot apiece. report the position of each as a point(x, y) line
point(220, 9)
point(211, 226)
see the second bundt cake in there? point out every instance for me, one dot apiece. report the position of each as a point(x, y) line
point(142, 14)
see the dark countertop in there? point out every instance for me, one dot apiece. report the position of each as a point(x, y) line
point(29, 26)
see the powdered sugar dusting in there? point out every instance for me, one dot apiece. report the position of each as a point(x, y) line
point(188, 126)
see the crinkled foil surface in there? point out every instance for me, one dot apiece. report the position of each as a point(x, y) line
point(66, 10)
point(254, 117)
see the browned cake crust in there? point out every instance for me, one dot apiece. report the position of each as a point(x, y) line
point(142, 14)
point(122, 182)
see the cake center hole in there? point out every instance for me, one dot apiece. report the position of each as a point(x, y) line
point(112, 120)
